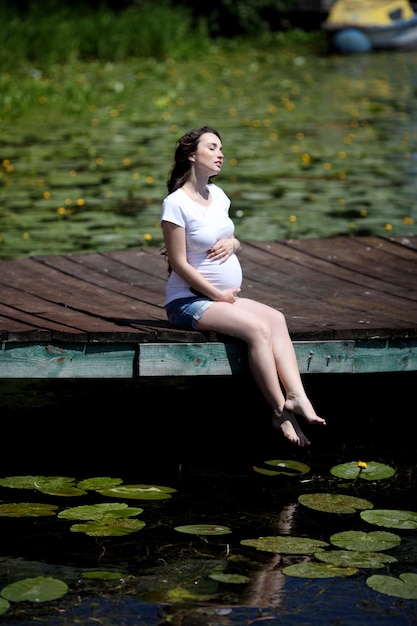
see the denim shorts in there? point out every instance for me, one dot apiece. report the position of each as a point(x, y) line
point(185, 313)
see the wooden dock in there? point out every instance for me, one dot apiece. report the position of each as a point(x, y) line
point(350, 304)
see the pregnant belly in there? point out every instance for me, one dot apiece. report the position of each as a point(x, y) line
point(223, 275)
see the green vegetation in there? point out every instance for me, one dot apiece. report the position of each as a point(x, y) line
point(93, 98)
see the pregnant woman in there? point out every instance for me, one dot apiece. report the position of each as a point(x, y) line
point(205, 276)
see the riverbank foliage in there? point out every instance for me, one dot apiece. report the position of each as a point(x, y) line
point(56, 32)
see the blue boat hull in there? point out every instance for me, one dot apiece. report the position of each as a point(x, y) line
point(353, 39)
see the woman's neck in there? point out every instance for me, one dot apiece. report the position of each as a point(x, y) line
point(198, 193)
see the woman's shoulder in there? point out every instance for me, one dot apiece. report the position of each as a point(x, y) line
point(173, 195)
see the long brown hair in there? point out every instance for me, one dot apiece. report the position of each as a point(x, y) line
point(186, 147)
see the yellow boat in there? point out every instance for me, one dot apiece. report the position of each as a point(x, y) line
point(358, 26)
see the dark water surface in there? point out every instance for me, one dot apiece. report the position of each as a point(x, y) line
point(202, 438)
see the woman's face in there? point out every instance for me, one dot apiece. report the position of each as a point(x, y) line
point(208, 158)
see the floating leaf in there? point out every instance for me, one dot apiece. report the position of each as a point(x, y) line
point(403, 587)
point(139, 492)
point(51, 485)
point(233, 579)
point(95, 484)
point(352, 558)
point(366, 542)
point(334, 503)
point(373, 471)
point(102, 575)
point(27, 509)
point(391, 518)
point(287, 468)
point(203, 529)
point(4, 606)
point(318, 570)
point(117, 528)
point(39, 589)
point(19, 482)
point(98, 512)
point(264, 471)
point(285, 545)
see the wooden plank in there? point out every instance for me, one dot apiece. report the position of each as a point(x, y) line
point(45, 360)
point(367, 259)
point(306, 289)
point(313, 357)
point(71, 360)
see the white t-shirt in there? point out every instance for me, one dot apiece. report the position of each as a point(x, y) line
point(204, 226)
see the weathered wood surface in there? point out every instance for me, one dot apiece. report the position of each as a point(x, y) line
point(350, 304)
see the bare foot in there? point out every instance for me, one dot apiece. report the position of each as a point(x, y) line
point(303, 407)
point(289, 427)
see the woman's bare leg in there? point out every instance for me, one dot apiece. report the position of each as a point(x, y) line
point(243, 323)
point(286, 363)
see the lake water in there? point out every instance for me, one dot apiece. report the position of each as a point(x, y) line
point(204, 442)
point(315, 146)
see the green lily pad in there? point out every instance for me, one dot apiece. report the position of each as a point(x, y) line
point(4, 606)
point(203, 529)
point(139, 492)
point(285, 545)
point(318, 570)
point(287, 468)
point(405, 520)
point(95, 484)
point(366, 542)
point(39, 589)
point(27, 509)
point(351, 558)
point(99, 512)
point(373, 471)
point(19, 482)
point(403, 587)
point(334, 503)
point(102, 575)
point(116, 528)
point(233, 579)
point(50, 485)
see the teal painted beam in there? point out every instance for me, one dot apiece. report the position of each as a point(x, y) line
point(27, 360)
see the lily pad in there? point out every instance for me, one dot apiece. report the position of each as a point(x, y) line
point(102, 575)
point(50, 485)
point(103, 482)
point(285, 545)
point(60, 486)
point(4, 606)
point(99, 512)
point(405, 520)
point(367, 542)
point(223, 577)
point(334, 503)
point(403, 587)
point(318, 570)
point(372, 471)
point(39, 589)
point(286, 468)
point(116, 528)
point(351, 558)
point(35, 482)
point(27, 509)
point(139, 492)
point(203, 529)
